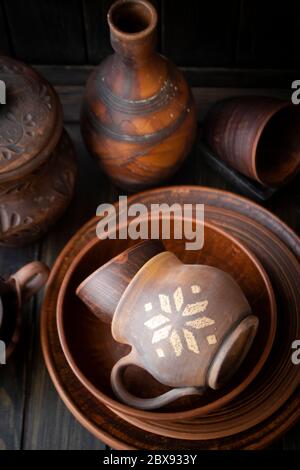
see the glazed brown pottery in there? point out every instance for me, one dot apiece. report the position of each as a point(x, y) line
point(258, 136)
point(94, 360)
point(262, 413)
point(138, 115)
point(37, 160)
point(189, 326)
point(14, 292)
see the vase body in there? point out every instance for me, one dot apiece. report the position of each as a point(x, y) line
point(138, 117)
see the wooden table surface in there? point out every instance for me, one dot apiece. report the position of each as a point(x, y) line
point(32, 416)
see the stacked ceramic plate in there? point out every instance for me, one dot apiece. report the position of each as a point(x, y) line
point(261, 401)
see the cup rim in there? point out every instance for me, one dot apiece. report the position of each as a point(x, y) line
point(165, 416)
point(107, 264)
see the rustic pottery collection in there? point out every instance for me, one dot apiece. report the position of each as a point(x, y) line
point(178, 349)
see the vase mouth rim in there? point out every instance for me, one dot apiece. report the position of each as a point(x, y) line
point(132, 19)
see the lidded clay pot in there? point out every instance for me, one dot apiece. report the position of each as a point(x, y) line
point(14, 293)
point(37, 159)
point(138, 116)
point(189, 326)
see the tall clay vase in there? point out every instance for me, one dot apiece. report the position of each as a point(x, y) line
point(189, 326)
point(257, 135)
point(138, 116)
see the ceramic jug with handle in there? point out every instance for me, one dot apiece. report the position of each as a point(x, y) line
point(189, 326)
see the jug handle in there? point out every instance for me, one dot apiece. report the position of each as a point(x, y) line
point(30, 279)
point(144, 403)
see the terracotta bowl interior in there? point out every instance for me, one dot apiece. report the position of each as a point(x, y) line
point(278, 149)
point(88, 341)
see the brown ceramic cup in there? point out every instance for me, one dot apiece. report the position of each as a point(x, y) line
point(258, 136)
point(189, 326)
point(14, 293)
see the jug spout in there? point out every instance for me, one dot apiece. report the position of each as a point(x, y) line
point(103, 289)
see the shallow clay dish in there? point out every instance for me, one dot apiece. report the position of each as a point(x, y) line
point(92, 362)
point(278, 415)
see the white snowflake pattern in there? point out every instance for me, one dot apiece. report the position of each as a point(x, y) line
point(163, 327)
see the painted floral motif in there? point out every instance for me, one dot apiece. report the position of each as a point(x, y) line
point(177, 324)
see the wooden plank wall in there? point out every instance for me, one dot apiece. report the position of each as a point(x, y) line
point(194, 33)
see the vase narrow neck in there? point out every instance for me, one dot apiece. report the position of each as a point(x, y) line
point(133, 25)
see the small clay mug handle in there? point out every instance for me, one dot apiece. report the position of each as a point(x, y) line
point(30, 279)
point(144, 403)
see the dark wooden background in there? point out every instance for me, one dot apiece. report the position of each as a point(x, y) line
point(226, 48)
point(194, 33)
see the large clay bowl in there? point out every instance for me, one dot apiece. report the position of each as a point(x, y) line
point(91, 351)
point(270, 407)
